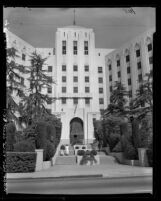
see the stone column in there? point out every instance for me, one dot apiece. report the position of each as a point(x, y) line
point(39, 159)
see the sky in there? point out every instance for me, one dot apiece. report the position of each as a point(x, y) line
point(112, 26)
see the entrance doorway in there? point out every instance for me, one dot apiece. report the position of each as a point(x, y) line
point(76, 131)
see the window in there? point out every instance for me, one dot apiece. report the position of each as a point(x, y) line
point(137, 53)
point(139, 65)
point(49, 68)
point(110, 78)
point(118, 62)
point(86, 68)
point(86, 79)
point(109, 66)
point(100, 80)
point(63, 47)
point(75, 47)
point(86, 47)
point(100, 90)
point(75, 89)
point(39, 87)
point(63, 89)
point(87, 89)
point(63, 100)
point(110, 88)
point(63, 78)
point(119, 73)
point(75, 100)
point(129, 81)
point(87, 101)
point(22, 80)
point(130, 93)
point(75, 68)
point(151, 60)
point(98, 54)
point(75, 79)
point(49, 90)
point(101, 101)
point(49, 101)
point(23, 57)
point(140, 77)
point(99, 69)
point(149, 47)
point(49, 79)
point(127, 58)
point(63, 67)
point(128, 69)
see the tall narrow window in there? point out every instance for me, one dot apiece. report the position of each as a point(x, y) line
point(49, 90)
point(100, 80)
point(138, 53)
point(129, 81)
point(140, 77)
point(23, 57)
point(100, 90)
point(75, 47)
point(86, 68)
point(128, 69)
point(86, 47)
point(49, 68)
point(87, 101)
point(101, 101)
point(139, 65)
point(110, 88)
point(63, 100)
point(63, 67)
point(109, 67)
point(75, 68)
point(63, 78)
point(63, 89)
point(149, 47)
point(151, 60)
point(75, 89)
point(127, 58)
point(110, 78)
point(75, 100)
point(99, 69)
point(119, 73)
point(63, 47)
point(75, 79)
point(86, 89)
point(86, 79)
point(118, 62)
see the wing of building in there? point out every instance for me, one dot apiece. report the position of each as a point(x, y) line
point(84, 75)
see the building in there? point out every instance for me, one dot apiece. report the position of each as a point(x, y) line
point(84, 75)
point(130, 63)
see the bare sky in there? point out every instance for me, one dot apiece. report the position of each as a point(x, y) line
point(112, 26)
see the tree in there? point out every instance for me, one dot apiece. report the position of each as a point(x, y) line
point(15, 85)
point(34, 104)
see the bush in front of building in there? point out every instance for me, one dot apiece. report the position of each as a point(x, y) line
point(20, 162)
point(24, 146)
point(80, 152)
point(10, 136)
point(51, 132)
point(50, 151)
point(93, 152)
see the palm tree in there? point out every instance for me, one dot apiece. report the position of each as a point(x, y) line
point(34, 105)
point(15, 85)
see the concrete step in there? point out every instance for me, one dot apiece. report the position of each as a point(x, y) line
point(71, 153)
point(65, 160)
point(107, 159)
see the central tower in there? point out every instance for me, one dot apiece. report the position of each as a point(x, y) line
point(76, 72)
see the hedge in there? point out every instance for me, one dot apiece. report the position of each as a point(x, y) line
point(20, 162)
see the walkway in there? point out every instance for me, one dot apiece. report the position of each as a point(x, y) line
point(111, 170)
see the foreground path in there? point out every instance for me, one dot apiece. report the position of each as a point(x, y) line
point(111, 170)
point(91, 185)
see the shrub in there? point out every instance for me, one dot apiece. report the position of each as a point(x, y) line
point(51, 133)
point(19, 136)
point(50, 151)
point(117, 148)
point(80, 152)
point(76, 147)
point(30, 133)
point(113, 139)
point(24, 146)
point(10, 136)
point(41, 133)
point(20, 162)
point(83, 147)
point(87, 152)
point(62, 147)
point(93, 152)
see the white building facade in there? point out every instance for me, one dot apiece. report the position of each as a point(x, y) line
point(130, 63)
point(84, 75)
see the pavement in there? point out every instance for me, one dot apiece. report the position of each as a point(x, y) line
point(104, 170)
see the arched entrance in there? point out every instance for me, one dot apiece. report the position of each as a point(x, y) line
point(76, 131)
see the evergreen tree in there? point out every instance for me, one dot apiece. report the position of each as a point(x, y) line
point(15, 86)
point(34, 104)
